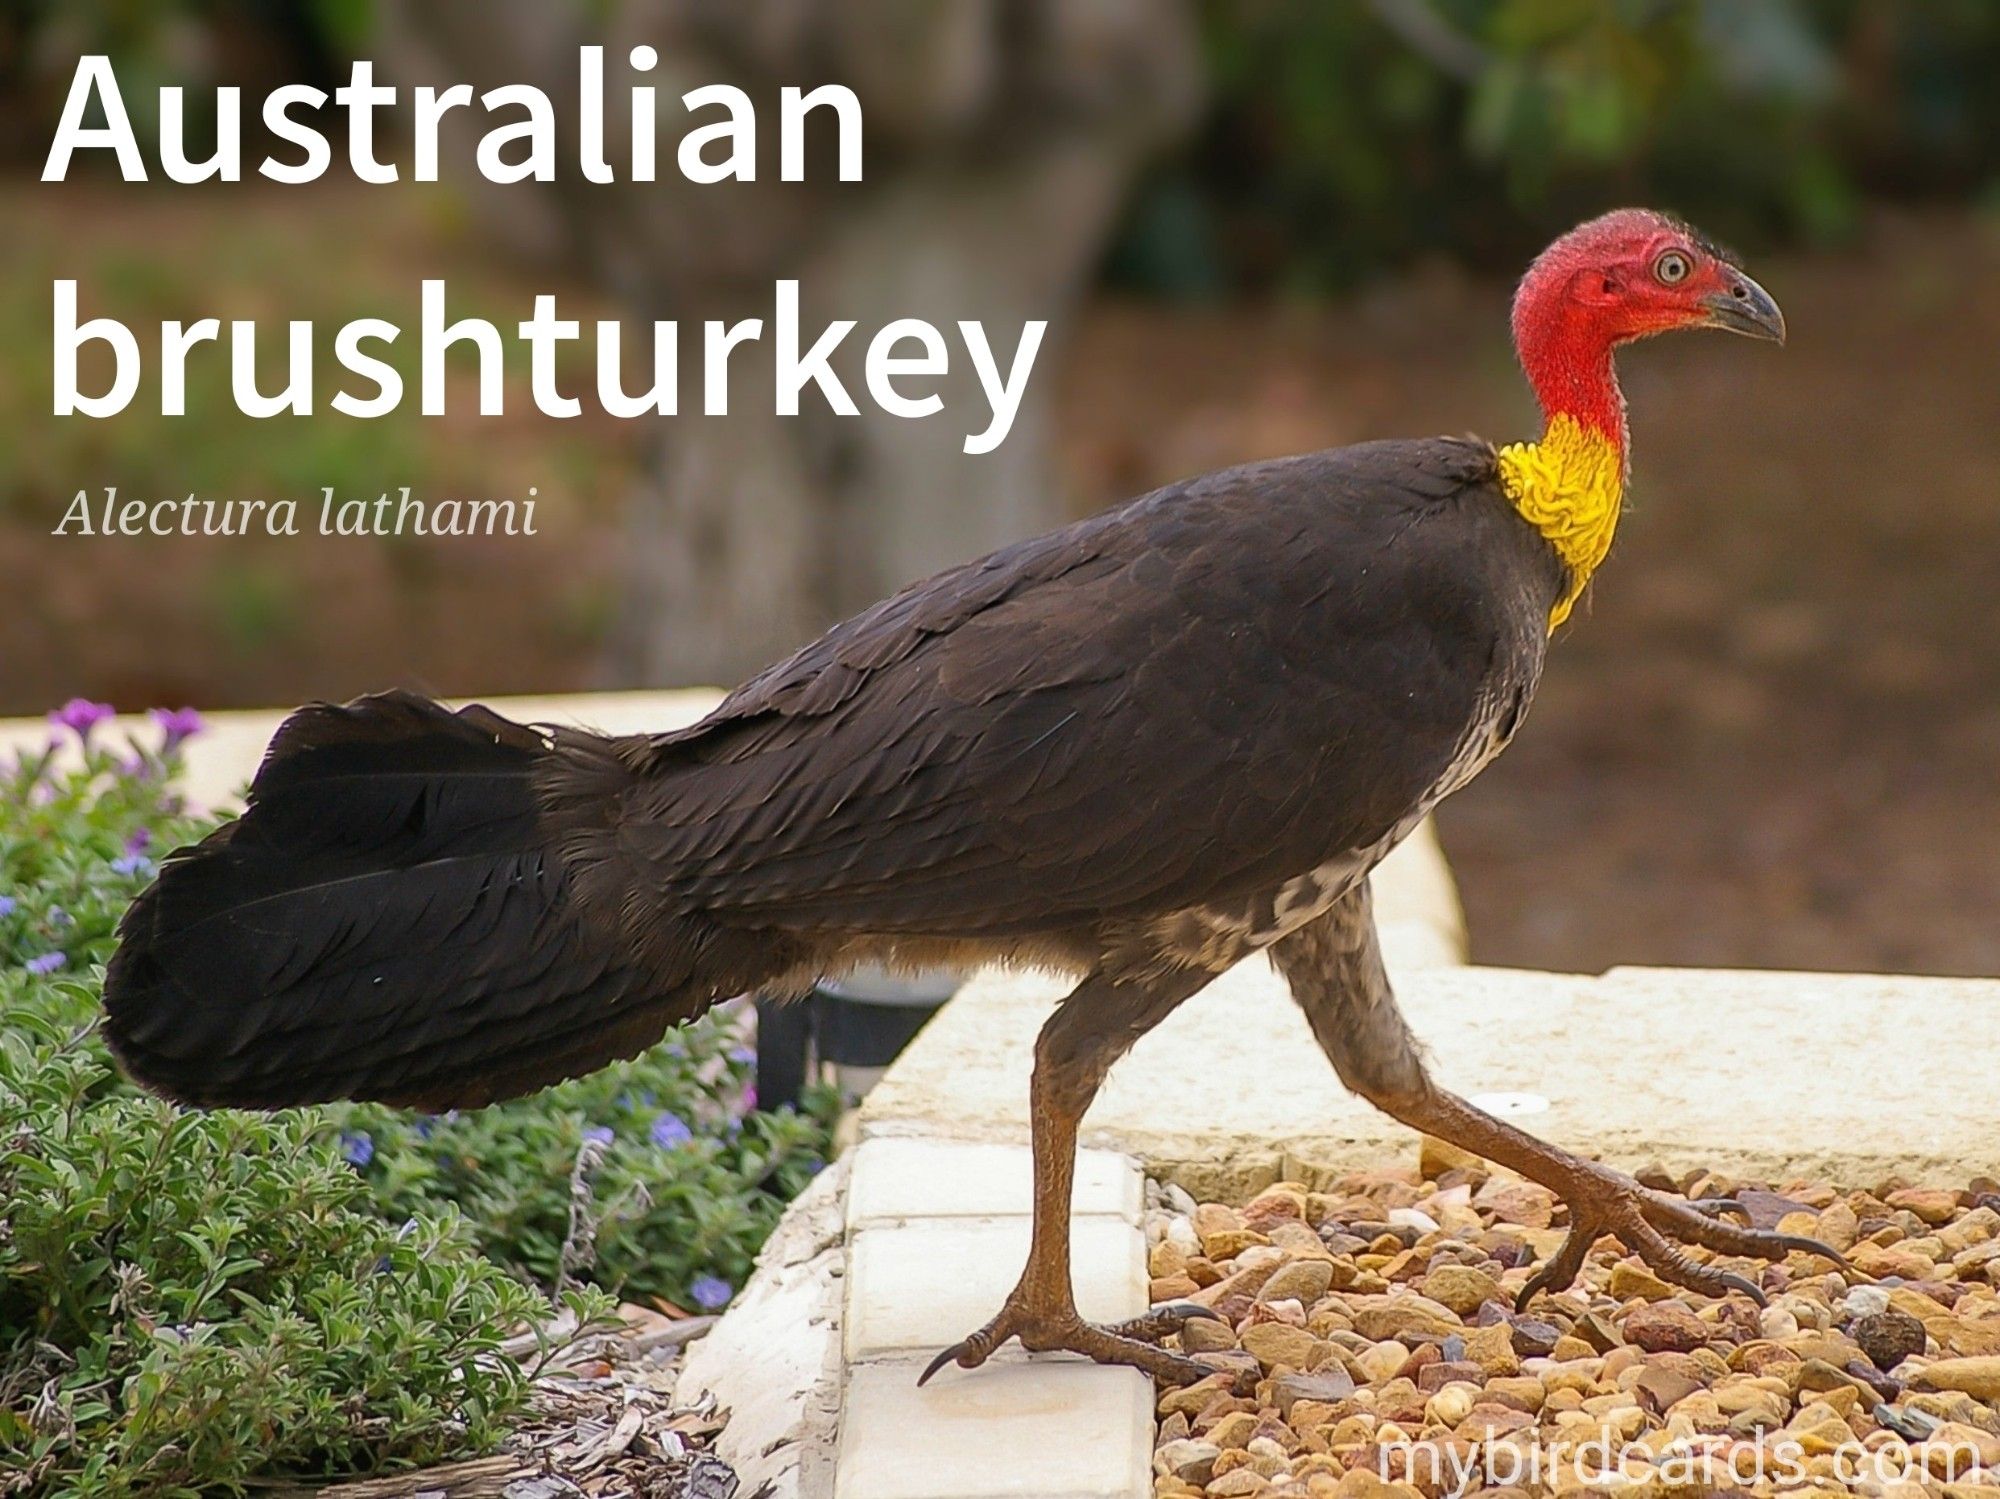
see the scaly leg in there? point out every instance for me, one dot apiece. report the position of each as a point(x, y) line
point(1091, 1029)
point(1334, 966)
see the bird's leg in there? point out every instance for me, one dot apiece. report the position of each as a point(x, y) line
point(1089, 1031)
point(1334, 966)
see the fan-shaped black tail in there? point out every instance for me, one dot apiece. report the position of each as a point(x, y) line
point(388, 920)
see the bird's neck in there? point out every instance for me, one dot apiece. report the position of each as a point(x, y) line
point(1569, 484)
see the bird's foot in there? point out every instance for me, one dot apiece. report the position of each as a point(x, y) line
point(1134, 1343)
point(1649, 1222)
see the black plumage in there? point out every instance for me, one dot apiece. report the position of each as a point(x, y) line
point(1101, 745)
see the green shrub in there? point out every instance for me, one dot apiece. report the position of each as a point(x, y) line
point(1343, 138)
point(688, 1184)
point(191, 1299)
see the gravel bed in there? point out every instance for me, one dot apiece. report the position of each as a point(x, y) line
point(1377, 1318)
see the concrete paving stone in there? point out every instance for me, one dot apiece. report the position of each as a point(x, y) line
point(774, 1360)
point(1051, 1429)
point(924, 1285)
point(1762, 1074)
point(897, 1179)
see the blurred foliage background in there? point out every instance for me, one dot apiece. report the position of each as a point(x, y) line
point(1343, 138)
point(1349, 137)
point(1771, 741)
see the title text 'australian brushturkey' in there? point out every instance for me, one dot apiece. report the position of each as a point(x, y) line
point(1138, 749)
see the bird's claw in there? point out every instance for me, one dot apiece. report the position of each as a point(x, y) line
point(1162, 1320)
point(1648, 1222)
point(1133, 1342)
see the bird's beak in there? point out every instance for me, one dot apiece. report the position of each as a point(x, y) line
point(1744, 307)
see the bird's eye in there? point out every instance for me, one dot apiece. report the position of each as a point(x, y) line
point(1671, 268)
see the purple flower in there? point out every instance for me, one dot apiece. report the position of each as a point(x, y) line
point(47, 963)
point(58, 917)
point(711, 1293)
point(131, 864)
point(140, 841)
point(356, 1148)
point(742, 1056)
point(176, 726)
point(670, 1131)
point(80, 716)
point(8, 906)
point(599, 1134)
point(750, 1099)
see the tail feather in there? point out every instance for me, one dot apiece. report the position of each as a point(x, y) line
point(391, 918)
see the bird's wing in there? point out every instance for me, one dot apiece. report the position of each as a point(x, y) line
point(1211, 689)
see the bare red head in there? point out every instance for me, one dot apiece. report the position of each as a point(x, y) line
point(1630, 274)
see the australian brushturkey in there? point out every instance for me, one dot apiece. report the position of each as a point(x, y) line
point(1138, 749)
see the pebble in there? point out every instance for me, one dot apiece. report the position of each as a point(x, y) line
point(1451, 1403)
point(1276, 1343)
point(1864, 1301)
point(1422, 1222)
point(1460, 1288)
point(1911, 1426)
point(1629, 1278)
point(1888, 1337)
point(1665, 1325)
point(1777, 1322)
point(1382, 1360)
point(1234, 1430)
point(1411, 1314)
point(1377, 1310)
point(1439, 1373)
point(1240, 1481)
point(1534, 1338)
point(1225, 1242)
point(1661, 1389)
point(1933, 1205)
point(1207, 1335)
point(1977, 1377)
point(1306, 1280)
point(1188, 1459)
point(1329, 1385)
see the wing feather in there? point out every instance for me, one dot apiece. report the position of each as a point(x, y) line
point(1215, 687)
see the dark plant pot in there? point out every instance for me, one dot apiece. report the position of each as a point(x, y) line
point(857, 1025)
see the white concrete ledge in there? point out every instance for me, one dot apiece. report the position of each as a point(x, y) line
point(1842, 1076)
point(926, 1180)
point(938, 1233)
point(920, 1286)
point(774, 1361)
point(222, 759)
point(1025, 1431)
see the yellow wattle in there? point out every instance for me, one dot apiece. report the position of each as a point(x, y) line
point(1569, 486)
